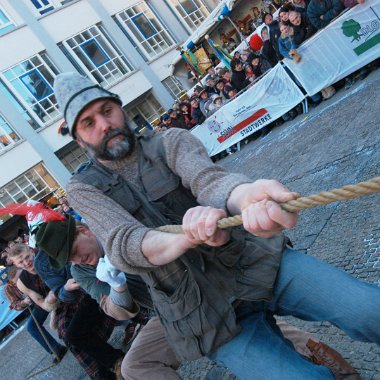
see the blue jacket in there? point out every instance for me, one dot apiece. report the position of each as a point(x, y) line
point(285, 45)
point(329, 9)
point(55, 279)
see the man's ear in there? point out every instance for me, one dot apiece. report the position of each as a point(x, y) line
point(81, 228)
point(85, 230)
point(79, 142)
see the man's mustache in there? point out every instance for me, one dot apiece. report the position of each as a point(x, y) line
point(111, 134)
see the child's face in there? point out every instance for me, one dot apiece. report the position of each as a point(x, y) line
point(255, 62)
point(284, 29)
point(284, 16)
point(268, 19)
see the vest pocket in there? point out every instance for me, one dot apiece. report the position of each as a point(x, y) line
point(256, 272)
point(195, 324)
point(185, 299)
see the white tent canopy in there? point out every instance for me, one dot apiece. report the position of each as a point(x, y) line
point(209, 22)
point(206, 25)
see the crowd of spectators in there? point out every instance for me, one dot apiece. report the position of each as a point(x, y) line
point(297, 21)
point(83, 322)
point(5, 260)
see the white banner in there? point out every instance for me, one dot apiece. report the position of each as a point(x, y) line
point(267, 100)
point(344, 46)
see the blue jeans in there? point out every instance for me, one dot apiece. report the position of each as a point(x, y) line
point(309, 289)
point(32, 329)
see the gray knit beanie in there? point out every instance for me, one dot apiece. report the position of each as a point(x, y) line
point(74, 92)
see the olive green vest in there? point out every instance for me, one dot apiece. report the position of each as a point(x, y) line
point(194, 296)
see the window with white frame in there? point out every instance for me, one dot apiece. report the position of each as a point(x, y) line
point(97, 56)
point(31, 81)
point(174, 86)
point(8, 136)
point(34, 184)
point(193, 12)
point(72, 156)
point(6, 24)
point(149, 108)
point(23, 112)
point(145, 29)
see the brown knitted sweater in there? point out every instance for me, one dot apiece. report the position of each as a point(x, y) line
point(121, 234)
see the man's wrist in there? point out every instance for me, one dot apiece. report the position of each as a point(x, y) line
point(119, 289)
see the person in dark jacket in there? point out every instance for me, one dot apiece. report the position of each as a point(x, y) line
point(302, 28)
point(196, 112)
point(210, 88)
point(185, 109)
point(284, 12)
point(268, 51)
point(300, 5)
point(81, 330)
point(352, 3)
point(220, 87)
point(178, 120)
point(238, 79)
point(259, 64)
point(321, 12)
point(45, 286)
point(274, 30)
point(41, 301)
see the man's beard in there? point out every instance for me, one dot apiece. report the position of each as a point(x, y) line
point(118, 150)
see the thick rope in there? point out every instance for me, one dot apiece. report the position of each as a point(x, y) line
point(344, 193)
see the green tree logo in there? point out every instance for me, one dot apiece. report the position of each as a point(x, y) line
point(351, 28)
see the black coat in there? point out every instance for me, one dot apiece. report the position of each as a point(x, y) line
point(269, 53)
point(239, 80)
point(197, 115)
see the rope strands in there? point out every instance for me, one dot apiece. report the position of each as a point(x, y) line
point(347, 192)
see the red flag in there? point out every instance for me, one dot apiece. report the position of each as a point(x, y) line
point(33, 212)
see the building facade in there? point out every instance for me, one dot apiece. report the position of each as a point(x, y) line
point(125, 46)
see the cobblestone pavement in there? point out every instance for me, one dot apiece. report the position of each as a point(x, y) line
point(337, 143)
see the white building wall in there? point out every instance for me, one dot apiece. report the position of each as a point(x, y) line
point(160, 66)
point(67, 21)
point(18, 45)
point(17, 161)
point(116, 6)
point(60, 24)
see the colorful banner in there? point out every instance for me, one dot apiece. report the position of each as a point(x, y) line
point(344, 46)
point(203, 61)
point(264, 102)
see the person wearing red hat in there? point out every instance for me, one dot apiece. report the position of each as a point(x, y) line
point(255, 42)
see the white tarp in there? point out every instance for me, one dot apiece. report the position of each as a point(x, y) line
point(344, 46)
point(267, 100)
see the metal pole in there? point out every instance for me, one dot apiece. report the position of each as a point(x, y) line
point(242, 37)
